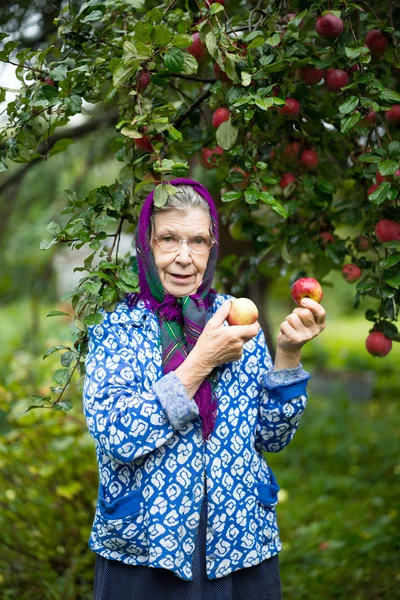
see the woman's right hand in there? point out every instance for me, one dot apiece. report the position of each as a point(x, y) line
point(219, 344)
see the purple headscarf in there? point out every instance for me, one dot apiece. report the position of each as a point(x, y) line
point(181, 320)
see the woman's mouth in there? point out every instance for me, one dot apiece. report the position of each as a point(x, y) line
point(181, 278)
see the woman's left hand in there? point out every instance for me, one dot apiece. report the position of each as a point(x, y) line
point(301, 326)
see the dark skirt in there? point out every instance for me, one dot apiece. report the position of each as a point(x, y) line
point(115, 580)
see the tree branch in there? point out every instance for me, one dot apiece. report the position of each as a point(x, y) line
point(194, 78)
point(191, 108)
point(71, 132)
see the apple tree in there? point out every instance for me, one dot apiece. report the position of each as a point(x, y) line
point(288, 109)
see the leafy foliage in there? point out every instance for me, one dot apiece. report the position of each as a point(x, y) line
point(143, 60)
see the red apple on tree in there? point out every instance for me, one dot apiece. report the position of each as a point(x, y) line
point(220, 74)
point(287, 179)
point(48, 80)
point(369, 120)
point(306, 287)
point(372, 188)
point(197, 49)
point(145, 143)
point(310, 75)
point(351, 272)
point(143, 80)
point(291, 108)
point(376, 41)
point(379, 178)
point(329, 26)
point(387, 230)
point(335, 79)
point(362, 243)
point(292, 151)
point(326, 238)
point(378, 344)
point(208, 159)
point(220, 116)
point(393, 115)
point(243, 312)
point(309, 159)
point(241, 184)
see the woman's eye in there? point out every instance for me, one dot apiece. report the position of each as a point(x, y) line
point(199, 241)
point(167, 238)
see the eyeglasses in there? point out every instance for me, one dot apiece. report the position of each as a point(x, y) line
point(197, 243)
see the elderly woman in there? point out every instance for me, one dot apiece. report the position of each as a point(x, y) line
point(181, 407)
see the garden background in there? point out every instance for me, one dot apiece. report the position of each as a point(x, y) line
point(338, 508)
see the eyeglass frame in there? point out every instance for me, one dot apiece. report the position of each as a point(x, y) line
point(213, 241)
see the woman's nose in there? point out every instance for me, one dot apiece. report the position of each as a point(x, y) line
point(184, 254)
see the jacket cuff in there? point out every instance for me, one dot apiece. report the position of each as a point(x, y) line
point(172, 396)
point(286, 384)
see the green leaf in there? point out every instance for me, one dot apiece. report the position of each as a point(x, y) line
point(130, 278)
point(394, 282)
point(380, 193)
point(161, 36)
point(122, 73)
point(57, 313)
point(95, 15)
point(348, 123)
point(227, 135)
point(190, 64)
point(211, 43)
point(174, 60)
point(264, 103)
point(394, 149)
point(369, 158)
point(275, 205)
point(160, 196)
point(61, 376)
point(390, 261)
point(389, 96)
point(53, 228)
point(280, 65)
point(182, 41)
point(258, 41)
point(46, 244)
point(388, 167)
point(230, 196)
point(349, 105)
point(273, 40)
point(216, 8)
point(93, 319)
point(355, 52)
point(60, 146)
point(251, 195)
point(246, 78)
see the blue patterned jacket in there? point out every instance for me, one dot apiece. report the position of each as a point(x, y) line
point(153, 462)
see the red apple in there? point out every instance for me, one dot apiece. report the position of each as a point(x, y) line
point(351, 272)
point(220, 116)
point(145, 143)
point(291, 151)
point(220, 74)
point(307, 287)
point(310, 75)
point(286, 179)
point(372, 188)
point(393, 115)
point(309, 159)
point(276, 91)
point(335, 79)
point(369, 120)
point(243, 312)
point(397, 173)
point(379, 178)
point(329, 26)
point(143, 80)
point(378, 344)
point(291, 109)
point(326, 238)
point(208, 159)
point(376, 41)
point(387, 230)
point(48, 80)
point(353, 68)
point(241, 184)
point(362, 243)
point(197, 49)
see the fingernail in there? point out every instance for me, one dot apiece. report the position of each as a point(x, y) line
point(304, 301)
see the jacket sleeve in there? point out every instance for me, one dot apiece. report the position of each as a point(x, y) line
point(283, 398)
point(125, 421)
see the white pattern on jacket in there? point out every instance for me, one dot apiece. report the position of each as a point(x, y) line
point(152, 459)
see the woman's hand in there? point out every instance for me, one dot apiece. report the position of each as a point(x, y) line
point(301, 326)
point(219, 344)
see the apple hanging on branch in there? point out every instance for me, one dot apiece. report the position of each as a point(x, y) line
point(307, 287)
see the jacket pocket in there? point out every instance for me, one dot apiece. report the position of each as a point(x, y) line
point(268, 492)
point(120, 524)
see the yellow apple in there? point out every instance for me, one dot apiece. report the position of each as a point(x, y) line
point(243, 312)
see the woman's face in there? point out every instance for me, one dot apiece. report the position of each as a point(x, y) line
point(182, 261)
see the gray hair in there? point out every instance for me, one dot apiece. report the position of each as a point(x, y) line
point(185, 200)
